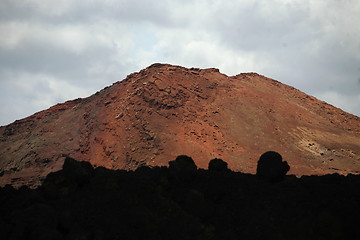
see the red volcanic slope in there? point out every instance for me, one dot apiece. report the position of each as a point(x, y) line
point(164, 111)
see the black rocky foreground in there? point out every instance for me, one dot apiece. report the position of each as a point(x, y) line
point(181, 202)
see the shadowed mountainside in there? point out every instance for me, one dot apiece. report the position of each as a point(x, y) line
point(164, 111)
point(180, 202)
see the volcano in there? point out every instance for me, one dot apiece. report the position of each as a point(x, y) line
point(164, 111)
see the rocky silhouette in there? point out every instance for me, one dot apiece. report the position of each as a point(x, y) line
point(218, 165)
point(180, 202)
point(73, 175)
point(165, 111)
point(183, 164)
point(271, 167)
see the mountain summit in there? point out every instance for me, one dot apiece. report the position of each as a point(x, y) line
point(164, 111)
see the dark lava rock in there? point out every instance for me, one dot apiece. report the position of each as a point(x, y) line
point(81, 172)
point(183, 163)
point(218, 165)
point(62, 183)
point(159, 203)
point(271, 167)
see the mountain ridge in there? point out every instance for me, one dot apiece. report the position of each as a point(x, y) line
point(164, 111)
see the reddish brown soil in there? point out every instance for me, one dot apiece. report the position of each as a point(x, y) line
point(164, 111)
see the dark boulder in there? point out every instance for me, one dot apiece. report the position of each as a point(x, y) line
point(183, 163)
point(81, 172)
point(218, 165)
point(271, 167)
point(64, 182)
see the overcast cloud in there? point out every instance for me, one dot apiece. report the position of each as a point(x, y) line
point(53, 51)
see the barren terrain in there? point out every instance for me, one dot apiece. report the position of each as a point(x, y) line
point(164, 111)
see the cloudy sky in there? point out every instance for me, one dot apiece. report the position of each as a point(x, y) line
point(52, 51)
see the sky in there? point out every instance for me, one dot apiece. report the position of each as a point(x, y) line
point(53, 51)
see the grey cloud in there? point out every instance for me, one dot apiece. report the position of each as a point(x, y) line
point(157, 12)
point(38, 57)
point(18, 103)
